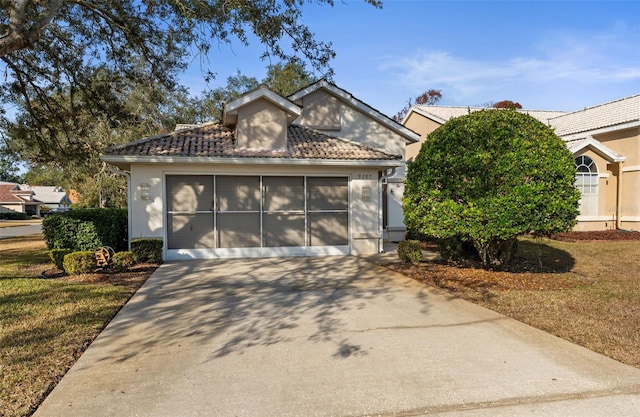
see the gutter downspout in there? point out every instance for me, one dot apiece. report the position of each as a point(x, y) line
point(129, 201)
point(385, 174)
point(619, 197)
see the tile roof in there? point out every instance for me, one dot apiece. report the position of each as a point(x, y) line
point(7, 194)
point(447, 112)
point(609, 114)
point(218, 141)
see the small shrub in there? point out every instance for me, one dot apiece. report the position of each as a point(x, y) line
point(122, 261)
point(147, 250)
point(57, 257)
point(83, 262)
point(410, 251)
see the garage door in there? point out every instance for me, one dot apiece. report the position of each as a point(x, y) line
point(210, 216)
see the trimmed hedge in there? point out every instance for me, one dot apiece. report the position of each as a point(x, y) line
point(86, 229)
point(81, 262)
point(147, 250)
point(122, 261)
point(57, 257)
point(13, 216)
point(410, 251)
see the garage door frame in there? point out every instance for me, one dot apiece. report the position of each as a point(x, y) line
point(262, 251)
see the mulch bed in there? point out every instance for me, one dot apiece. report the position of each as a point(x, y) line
point(130, 278)
point(471, 276)
point(597, 235)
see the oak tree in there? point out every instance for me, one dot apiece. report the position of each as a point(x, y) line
point(64, 59)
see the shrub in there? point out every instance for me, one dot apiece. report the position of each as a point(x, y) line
point(147, 250)
point(122, 261)
point(86, 229)
point(81, 262)
point(450, 248)
point(410, 251)
point(488, 177)
point(57, 257)
point(13, 216)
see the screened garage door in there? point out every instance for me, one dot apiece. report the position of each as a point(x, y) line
point(235, 216)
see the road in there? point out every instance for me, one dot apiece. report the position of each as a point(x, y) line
point(17, 231)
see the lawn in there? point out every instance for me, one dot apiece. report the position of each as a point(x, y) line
point(45, 324)
point(584, 292)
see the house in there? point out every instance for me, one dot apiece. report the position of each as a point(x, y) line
point(297, 176)
point(605, 141)
point(50, 196)
point(15, 199)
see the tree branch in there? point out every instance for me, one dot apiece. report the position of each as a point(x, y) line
point(21, 34)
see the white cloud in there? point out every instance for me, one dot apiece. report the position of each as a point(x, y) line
point(558, 62)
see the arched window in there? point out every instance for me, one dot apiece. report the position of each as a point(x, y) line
point(587, 183)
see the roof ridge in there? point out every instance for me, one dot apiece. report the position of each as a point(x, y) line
point(599, 105)
point(426, 106)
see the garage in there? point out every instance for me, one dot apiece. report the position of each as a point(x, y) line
point(211, 216)
point(276, 176)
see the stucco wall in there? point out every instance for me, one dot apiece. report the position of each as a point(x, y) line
point(148, 216)
point(261, 125)
point(421, 125)
point(627, 143)
point(354, 125)
point(12, 208)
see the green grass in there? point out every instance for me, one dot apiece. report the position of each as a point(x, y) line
point(45, 324)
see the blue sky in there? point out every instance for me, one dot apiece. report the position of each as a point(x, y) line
point(548, 55)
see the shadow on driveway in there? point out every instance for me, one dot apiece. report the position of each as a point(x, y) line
point(329, 336)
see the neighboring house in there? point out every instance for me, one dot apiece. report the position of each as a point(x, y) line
point(50, 196)
point(426, 119)
point(605, 141)
point(295, 176)
point(14, 199)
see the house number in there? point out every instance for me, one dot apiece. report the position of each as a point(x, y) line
point(365, 176)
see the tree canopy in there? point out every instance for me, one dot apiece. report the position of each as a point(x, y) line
point(488, 177)
point(66, 59)
point(507, 104)
point(428, 98)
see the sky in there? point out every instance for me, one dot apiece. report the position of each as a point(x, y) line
point(546, 55)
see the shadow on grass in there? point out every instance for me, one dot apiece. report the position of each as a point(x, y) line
point(533, 256)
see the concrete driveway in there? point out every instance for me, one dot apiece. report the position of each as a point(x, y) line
point(334, 336)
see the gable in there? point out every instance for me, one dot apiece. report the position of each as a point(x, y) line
point(321, 111)
point(261, 125)
point(347, 100)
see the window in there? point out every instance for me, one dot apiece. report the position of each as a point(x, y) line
point(587, 183)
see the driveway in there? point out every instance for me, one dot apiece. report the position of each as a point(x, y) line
point(332, 336)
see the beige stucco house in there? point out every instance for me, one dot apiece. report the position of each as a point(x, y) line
point(605, 141)
point(298, 176)
point(15, 198)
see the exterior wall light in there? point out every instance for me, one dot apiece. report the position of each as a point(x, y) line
point(366, 193)
point(145, 193)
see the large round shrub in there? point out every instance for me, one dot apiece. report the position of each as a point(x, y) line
point(488, 177)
